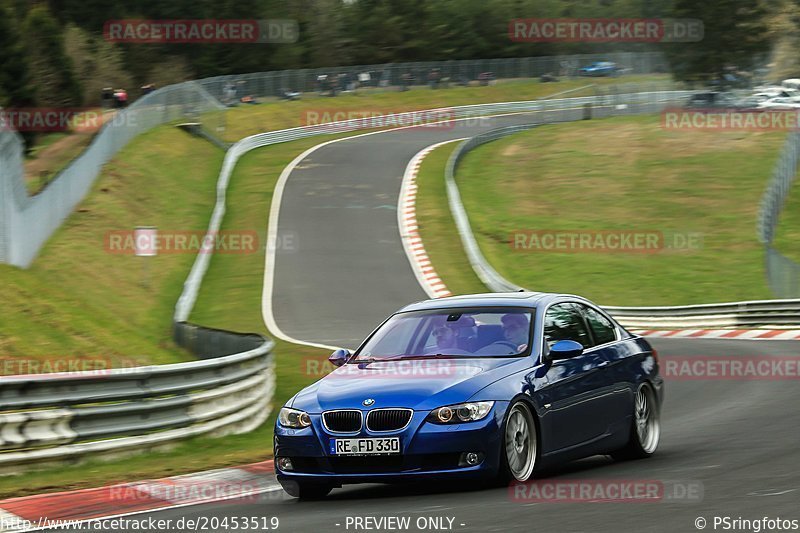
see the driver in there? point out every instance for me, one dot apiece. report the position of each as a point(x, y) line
point(515, 329)
point(515, 332)
point(447, 334)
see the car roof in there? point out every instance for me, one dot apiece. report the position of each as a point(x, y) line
point(492, 299)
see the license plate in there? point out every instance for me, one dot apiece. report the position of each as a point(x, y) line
point(382, 446)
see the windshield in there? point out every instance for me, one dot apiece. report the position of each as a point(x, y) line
point(450, 333)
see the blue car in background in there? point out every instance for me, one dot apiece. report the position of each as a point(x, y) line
point(600, 68)
point(473, 387)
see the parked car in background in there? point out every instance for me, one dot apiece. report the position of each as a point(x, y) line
point(600, 68)
point(780, 103)
point(775, 92)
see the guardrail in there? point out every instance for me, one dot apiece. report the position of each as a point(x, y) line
point(53, 417)
point(783, 274)
point(736, 314)
point(553, 109)
point(451, 73)
point(26, 222)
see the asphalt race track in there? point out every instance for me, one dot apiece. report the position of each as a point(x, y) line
point(348, 270)
point(734, 445)
point(737, 440)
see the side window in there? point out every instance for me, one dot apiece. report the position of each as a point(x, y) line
point(602, 327)
point(562, 322)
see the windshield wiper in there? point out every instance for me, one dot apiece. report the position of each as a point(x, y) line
point(431, 356)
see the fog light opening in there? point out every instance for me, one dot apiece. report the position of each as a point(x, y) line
point(285, 464)
point(470, 459)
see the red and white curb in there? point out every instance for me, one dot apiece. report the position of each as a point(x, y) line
point(409, 227)
point(64, 508)
point(742, 334)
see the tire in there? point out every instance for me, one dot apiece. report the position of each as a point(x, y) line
point(519, 448)
point(645, 427)
point(305, 490)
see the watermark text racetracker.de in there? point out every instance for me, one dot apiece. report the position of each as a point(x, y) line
point(148, 523)
point(731, 119)
point(606, 491)
point(422, 368)
point(61, 119)
point(217, 31)
point(343, 120)
point(735, 368)
point(605, 30)
point(59, 366)
point(604, 241)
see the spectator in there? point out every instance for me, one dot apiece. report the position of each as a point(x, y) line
point(433, 78)
point(364, 79)
point(405, 81)
point(229, 93)
point(333, 85)
point(322, 84)
point(107, 97)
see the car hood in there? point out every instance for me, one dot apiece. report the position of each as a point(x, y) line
point(416, 384)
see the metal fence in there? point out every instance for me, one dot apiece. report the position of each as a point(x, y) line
point(453, 72)
point(737, 314)
point(50, 418)
point(26, 222)
point(783, 274)
point(610, 103)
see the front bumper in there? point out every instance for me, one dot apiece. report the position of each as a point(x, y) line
point(426, 451)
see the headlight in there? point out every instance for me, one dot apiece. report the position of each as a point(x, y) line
point(463, 412)
point(292, 418)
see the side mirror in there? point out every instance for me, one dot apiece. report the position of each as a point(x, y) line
point(565, 349)
point(339, 357)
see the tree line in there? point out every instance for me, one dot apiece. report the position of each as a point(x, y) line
point(54, 53)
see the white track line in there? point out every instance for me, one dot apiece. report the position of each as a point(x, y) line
point(274, 214)
point(430, 282)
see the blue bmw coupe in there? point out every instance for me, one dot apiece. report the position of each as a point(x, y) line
point(480, 386)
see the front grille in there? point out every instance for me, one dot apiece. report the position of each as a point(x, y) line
point(388, 419)
point(366, 465)
point(377, 464)
point(342, 421)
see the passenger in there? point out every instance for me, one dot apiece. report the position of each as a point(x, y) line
point(447, 337)
point(516, 331)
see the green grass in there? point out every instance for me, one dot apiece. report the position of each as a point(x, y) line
point(77, 300)
point(44, 141)
point(437, 227)
point(787, 234)
point(627, 174)
point(193, 455)
point(230, 298)
point(274, 115)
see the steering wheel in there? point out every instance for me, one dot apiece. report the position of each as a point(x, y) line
point(509, 344)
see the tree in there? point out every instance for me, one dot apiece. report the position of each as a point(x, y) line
point(51, 69)
point(735, 36)
point(16, 90)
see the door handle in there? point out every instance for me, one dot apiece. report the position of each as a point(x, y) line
point(602, 364)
